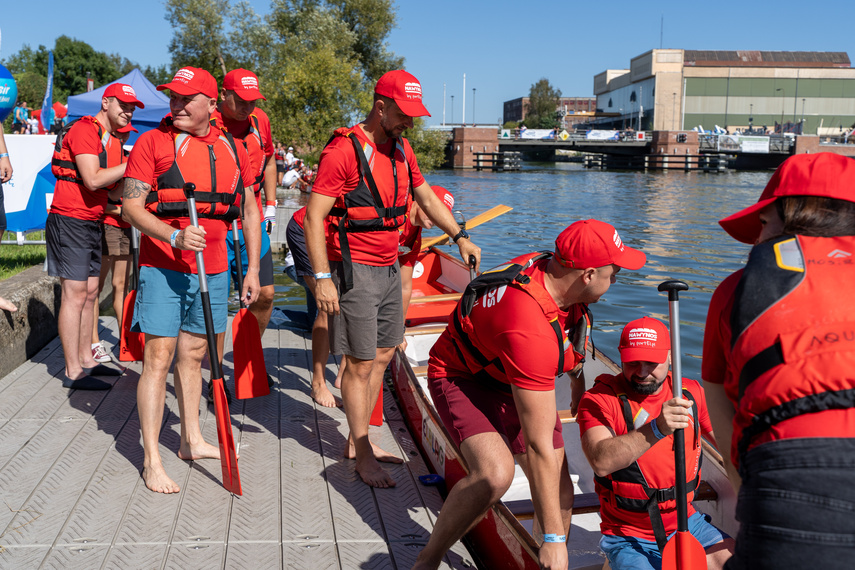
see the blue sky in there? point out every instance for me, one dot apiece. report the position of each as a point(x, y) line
point(502, 46)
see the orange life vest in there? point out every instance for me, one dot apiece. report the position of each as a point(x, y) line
point(196, 162)
point(793, 333)
point(648, 484)
point(254, 148)
point(62, 164)
point(572, 343)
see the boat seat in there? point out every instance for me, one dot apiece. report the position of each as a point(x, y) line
point(413, 331)
point(566, 417)
point(435, 298)
point(583, 503)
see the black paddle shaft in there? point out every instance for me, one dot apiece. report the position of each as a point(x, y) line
point(238, 262)
point(673, 288)
point(216, 371)
point(135, 244)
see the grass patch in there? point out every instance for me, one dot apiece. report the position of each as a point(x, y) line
point(17, 258)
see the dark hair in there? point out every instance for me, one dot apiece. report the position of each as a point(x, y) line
point(816, 216)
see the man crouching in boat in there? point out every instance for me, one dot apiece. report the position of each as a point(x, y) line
point(492, 378)
point(632, 455)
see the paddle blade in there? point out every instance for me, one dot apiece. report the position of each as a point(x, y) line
point(228, 453)
point(250, 370)
point(493, 212)
point(377, 412)
point(131, 344)
point(684, 552)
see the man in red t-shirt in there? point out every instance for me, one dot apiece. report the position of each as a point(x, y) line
point(251, 126)
point(364, 187)
point(85, 164)
point(629, 460)
point(184, 148)
point(492, 377)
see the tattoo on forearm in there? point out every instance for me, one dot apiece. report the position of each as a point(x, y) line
point(136, 188)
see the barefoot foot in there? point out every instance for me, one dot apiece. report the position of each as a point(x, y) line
point(7, 305)
point(322, 395)
point(158, 481)
point(203, 450)
point(372, 474)
point(379, 453)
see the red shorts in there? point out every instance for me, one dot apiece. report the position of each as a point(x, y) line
point(468, 408)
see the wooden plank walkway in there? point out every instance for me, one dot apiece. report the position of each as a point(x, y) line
point(72, 495)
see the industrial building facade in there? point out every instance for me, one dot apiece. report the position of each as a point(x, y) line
point(673, 89)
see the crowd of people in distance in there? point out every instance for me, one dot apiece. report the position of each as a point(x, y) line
point(292, 172)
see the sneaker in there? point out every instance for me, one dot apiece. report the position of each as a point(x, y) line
point(99, 353)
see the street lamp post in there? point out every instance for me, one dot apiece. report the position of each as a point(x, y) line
point(783, 99)
point(750, 116)
point(802, 120)
point(473, 106)
point(452, 110)
point(674, 116)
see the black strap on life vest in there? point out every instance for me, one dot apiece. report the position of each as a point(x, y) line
point(633, 474)
point(347, 225)
point(71, 164)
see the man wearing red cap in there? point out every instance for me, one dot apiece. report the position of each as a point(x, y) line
point(779, 350)
point(85, 165)
point(492, 378)
point(250, 125)
point(626, 421)
point(186, 147)
point(361, 194)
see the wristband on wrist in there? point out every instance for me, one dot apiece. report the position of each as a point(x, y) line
point(172, 238)
point(4, 155)
point(554, 538)
point(656, 433)
point(323, 275)
point(270, 202)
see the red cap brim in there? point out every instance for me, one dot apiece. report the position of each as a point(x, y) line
point(412, 108)
point(631, 259)
point(644, 354)
point(182, 89)
point(745, 225)
point(250, 94)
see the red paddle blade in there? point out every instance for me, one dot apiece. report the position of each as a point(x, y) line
point(250, 370)
point(228, 454)
point(684, 552)
point(131, 344)
point(377, 412)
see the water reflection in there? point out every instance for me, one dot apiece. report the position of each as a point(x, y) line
point(671, 216)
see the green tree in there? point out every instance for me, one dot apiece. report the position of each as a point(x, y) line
point(428, 144)
point(199, 38)
point(543, 100)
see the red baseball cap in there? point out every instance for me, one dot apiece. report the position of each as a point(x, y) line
point(244, 83)
point(192, 80)
point(645, 340)
point(126, 129)
point(822, 174)
point(592, 243)
point(444, 195)
point(405, 90)
point(124, 93)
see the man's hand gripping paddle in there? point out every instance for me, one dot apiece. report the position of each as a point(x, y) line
point(683, 551)
point(250, 370)
point(228, 454)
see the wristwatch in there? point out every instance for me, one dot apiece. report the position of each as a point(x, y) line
point(460, 234)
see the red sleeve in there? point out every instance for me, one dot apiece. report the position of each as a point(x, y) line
point(598, 408)
point(714, 366)
point(83, 139)
point(337, 172)
point(266, 133)
point(418, 179)
point(151, 156)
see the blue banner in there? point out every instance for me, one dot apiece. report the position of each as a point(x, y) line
point(47, 104)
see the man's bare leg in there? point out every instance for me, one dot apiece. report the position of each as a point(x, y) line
point(76, 314)
point(263, 307)
point(359, 390)
point(188, 389)
point(151, 397)
point(121, 272)
point(320, 354)
point(491, 474)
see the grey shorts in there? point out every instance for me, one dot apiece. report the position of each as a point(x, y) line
point(372, 314)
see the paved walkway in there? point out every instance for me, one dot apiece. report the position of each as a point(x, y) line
point(72, 496)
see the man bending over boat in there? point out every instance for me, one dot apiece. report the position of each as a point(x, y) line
point(627, 421)
point(492, 378)
point(361, 196)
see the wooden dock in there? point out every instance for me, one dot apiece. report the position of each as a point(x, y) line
point(73, 497)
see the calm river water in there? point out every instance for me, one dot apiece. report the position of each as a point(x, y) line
point(671, 216)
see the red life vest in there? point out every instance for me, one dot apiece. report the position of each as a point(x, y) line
point(571, 343)
point(793, 333)
point(648, 484)
point(362, 209)
point(62, 164)
point(197, 162)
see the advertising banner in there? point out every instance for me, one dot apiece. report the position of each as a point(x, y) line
point(741, 143)
point(29, 192)
point(602, 135)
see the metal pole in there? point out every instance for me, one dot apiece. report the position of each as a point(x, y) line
point(802, 120)
point(463, 120)
point(473, 106)
point(452, 109)
point(443, 104)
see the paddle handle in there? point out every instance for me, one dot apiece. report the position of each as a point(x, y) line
point(472, 263)
point(135, 251)
point(216, 371)
point(238, 262)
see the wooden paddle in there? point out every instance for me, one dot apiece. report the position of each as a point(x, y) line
point(228, 454)
point(493, 212)
point(131, 344)
point(683, 551)
point(250, 370)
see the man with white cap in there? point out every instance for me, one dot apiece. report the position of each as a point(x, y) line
point(360, 196)
point(627, 422)
point(184, 148)
point(492, 376)
point(85, 164)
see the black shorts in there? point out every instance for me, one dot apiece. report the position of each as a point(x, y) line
point(280, 167)
point(296, 238)
point(73, 247)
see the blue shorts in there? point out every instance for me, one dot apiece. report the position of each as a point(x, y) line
point(626, 552)
point(265, 271)
point(169, 300)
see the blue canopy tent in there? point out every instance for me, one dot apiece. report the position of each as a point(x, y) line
point(156, 103)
